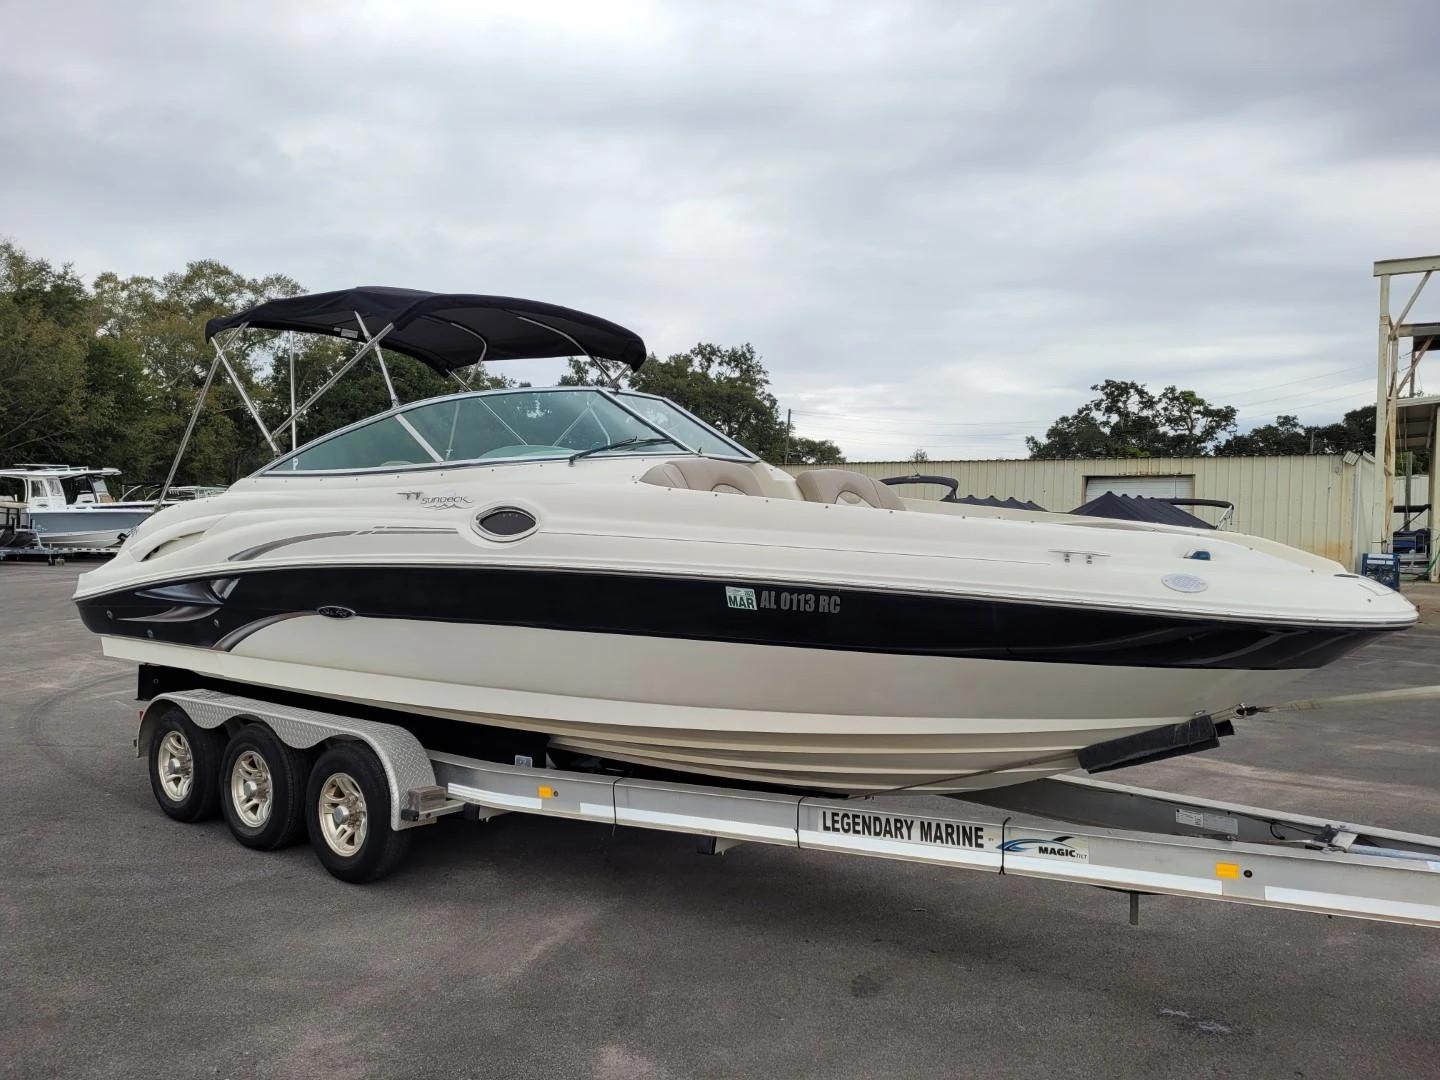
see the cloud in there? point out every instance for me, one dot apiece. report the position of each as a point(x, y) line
point(938, 223)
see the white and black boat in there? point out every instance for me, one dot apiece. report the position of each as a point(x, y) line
point(605, 572)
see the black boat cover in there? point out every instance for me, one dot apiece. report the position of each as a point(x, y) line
point(954, 496)
point(445, 330)
point(1139, 508)
point(1004, 504)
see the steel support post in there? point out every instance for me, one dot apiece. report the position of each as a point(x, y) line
point(190, 427)
point(384, 368)
point(363, 352)
point(250, 405)
point(294, 424)
point(1383, 499)
point(1433, 514)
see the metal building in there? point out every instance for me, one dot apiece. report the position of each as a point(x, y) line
point(1318, 502)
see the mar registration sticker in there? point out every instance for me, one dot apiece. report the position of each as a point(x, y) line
point(744, 599)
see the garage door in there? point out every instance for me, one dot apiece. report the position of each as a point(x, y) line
point(1150, 487)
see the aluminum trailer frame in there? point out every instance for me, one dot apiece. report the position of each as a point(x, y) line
point(1116, 837)
point(54, 556)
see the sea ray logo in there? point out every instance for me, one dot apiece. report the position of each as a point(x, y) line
point(1054, 847)
point(744, 599)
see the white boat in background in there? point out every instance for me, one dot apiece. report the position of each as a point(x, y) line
point(606, 573)
point(69, 507)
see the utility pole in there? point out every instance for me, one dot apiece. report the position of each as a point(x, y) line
point(787, 438)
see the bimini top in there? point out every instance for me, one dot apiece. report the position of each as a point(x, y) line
point(445, 330)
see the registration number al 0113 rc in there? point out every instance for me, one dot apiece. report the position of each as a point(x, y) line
point(800, 600)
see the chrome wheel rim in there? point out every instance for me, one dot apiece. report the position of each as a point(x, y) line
point(343, 820)
point(251, 790)
point(176, 765)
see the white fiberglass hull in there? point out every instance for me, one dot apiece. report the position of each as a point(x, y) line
point(769, 639)
point(824, 719)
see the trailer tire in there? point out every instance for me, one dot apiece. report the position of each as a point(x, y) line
point(347, 812)
point(262, 789)
point(187, 784)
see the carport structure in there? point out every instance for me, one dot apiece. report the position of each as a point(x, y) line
point(1404, 419)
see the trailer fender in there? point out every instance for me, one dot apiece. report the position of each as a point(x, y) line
point(404, 761)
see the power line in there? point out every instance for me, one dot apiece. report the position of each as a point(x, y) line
point(1292, 397)
point(881, 425)
point(1328, 401)
point(950, 448)
point(1217, 394)
point(1291, 382)
point(871, 419)
point(880, 428)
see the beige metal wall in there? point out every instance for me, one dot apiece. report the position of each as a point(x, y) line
point(1307, 502)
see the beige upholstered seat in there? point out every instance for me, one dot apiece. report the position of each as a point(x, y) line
point(847, 488)
point(703, 474)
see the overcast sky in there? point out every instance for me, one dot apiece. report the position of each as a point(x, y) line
point(938, 223)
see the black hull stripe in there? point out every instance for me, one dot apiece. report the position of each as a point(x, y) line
point(194, 612)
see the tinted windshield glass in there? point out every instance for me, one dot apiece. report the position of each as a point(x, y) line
point(551, 423)
point(672, 421)
point(381, 442)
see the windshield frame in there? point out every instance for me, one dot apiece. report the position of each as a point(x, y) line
point(681, 448)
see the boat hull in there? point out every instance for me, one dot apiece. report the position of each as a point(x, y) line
point(827, 720)
point(827, 662)
point(97, 527)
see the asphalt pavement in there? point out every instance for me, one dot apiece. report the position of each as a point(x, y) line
point(134, 946)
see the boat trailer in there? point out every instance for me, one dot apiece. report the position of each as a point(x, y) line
point(374, 782)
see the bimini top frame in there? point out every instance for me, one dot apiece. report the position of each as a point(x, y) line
point(444, 331)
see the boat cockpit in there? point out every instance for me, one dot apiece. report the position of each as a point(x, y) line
point(527, 425)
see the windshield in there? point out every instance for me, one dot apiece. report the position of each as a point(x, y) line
point(85, 489)
point(693, 433)
point(510, 424)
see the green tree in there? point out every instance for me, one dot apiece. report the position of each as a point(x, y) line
point(1286, 435)
point(1354, 433)
point(1128, 420)
point(44, 334)
point(729, 389)
point(114, 405)
point(163, 321)
point(810, 452)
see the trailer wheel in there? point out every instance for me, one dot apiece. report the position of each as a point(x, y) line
point(185, 767)
point(262, 789)
point(348, 814)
